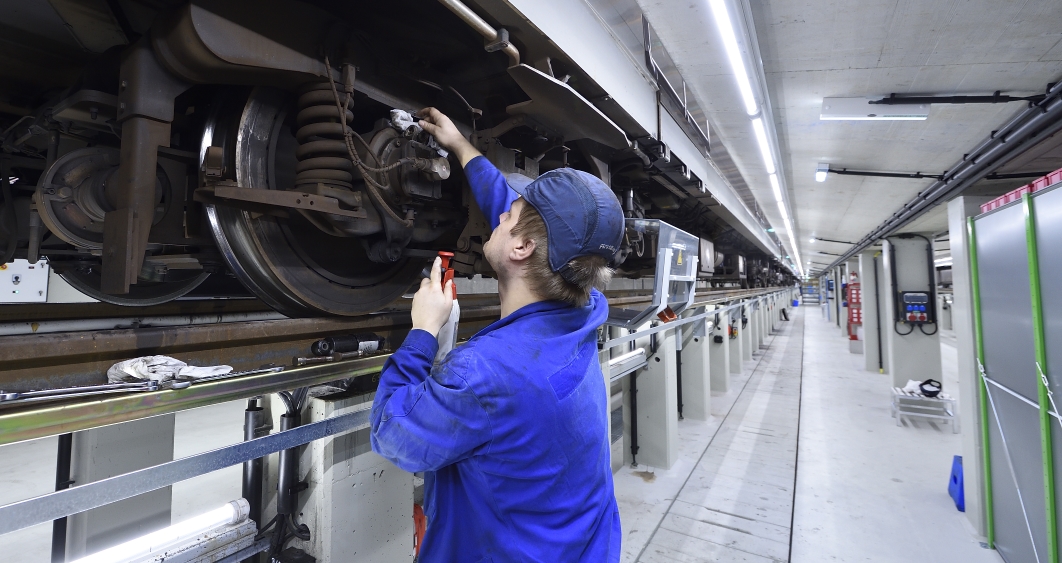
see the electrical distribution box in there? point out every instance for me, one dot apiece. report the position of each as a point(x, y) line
point(22, 282)
point(917, 307)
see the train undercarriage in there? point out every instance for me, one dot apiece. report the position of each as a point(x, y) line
point(209, 149)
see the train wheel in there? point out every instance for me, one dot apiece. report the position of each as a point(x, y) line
point(141, 294)
point(289, 263)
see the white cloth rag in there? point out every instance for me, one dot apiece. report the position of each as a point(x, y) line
point(160, 368)
point(913, 386)
point(402, 120)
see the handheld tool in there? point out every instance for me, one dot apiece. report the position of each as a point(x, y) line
point(86, 391)
point(448, 333)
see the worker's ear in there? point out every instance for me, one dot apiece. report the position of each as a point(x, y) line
point(522, 249)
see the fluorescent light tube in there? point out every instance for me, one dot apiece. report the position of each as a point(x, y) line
point(765, 147)
point(859, 109)
point(733, 53)
point(776, 187)
point(155, 543)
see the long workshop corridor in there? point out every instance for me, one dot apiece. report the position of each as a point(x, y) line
point(792, 467)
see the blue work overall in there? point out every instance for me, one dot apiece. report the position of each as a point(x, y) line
point(510, 430)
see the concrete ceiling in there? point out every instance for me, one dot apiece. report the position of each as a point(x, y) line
point(812, 49)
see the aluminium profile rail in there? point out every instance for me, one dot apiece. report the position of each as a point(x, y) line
point(17, 425)
point(28, 423)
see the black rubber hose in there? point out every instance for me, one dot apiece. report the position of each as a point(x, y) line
point(634, 418)
point(62, 482)
point(252, 470)
point(678, 375)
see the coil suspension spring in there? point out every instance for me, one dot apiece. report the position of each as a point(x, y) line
point(322, 153)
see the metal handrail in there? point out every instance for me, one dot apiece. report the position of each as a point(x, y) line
point(52, 506)
point(40, 421)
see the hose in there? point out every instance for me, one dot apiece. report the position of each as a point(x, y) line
point(365, 170)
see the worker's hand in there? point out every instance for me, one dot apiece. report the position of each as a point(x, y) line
point(433, 302)
point(446, 134)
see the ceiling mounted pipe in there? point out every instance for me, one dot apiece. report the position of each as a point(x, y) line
point(1027, 129)
point(995, 98)
point(485, 29)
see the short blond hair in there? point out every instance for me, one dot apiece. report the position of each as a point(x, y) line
point(588, 271)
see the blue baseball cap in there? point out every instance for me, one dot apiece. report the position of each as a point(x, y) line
point(582, 215)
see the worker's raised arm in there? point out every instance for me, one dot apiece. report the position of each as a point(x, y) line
point(492, 192)
point(421, 422)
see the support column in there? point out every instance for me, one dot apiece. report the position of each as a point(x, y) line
point(842, 299)
point(870, 278)
point(746, 333)
point(838, 295)
point(775, 315)
point(719, 355)
point(969, 382)
point(658, 406)
point(696, 372)
point(765, 325)
point(735, 341)
point(357, 501)
point(912, 353)
point(754, 328)
point(105, 452)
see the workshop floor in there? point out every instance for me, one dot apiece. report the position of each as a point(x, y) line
point(846, 485)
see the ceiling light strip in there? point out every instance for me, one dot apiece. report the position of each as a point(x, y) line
point(733, 54)
point(742, 75)
point(764, 144)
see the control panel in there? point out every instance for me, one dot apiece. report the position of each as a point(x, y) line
point(22, 282)
point(916, 307)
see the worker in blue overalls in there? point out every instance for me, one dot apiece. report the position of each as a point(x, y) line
point(511, 429)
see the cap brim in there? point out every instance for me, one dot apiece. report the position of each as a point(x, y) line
point(518, 182)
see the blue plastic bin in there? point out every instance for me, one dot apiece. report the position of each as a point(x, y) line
point(796, 303)
point(955, 487)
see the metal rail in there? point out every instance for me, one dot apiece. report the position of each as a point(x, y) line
point(78, 358)
point(17, 425)
point(52, 506)
point(615, 342)
point(31, 422)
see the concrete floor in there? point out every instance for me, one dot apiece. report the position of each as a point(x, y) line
point(849, 485)
point(730, 496)
point(868, 490)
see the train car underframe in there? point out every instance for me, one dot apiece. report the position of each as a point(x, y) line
point(257, 145)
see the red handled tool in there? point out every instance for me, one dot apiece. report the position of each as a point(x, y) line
point(448, 332)
point(447, 271)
